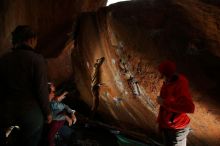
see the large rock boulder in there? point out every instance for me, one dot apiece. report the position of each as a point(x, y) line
point(134, 37)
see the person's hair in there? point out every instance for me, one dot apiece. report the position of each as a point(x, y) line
point(167, 68)
point(22, 33)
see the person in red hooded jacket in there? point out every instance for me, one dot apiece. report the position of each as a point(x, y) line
point(175, 102)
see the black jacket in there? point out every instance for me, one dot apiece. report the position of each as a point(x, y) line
point(23, 82)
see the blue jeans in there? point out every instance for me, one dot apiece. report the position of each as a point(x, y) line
point(174, 137)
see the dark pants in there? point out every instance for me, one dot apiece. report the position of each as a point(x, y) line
point(53, 129)
point(2, 137)
point(95, 102)
point(175, 137)
point(30, 123)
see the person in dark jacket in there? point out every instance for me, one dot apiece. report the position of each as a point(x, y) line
point(175, 102)
point(23, 87)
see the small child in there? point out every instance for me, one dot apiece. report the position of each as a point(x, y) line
point(60, 113)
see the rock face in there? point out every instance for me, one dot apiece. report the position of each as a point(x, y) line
point(53, 22)
point(134, 37)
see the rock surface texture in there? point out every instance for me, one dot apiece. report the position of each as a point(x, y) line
point(133, 37)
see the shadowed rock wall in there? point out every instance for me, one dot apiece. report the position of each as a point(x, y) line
point(53, 21)
point(134, 37)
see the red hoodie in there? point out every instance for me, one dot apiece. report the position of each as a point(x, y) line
point(177, 101)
